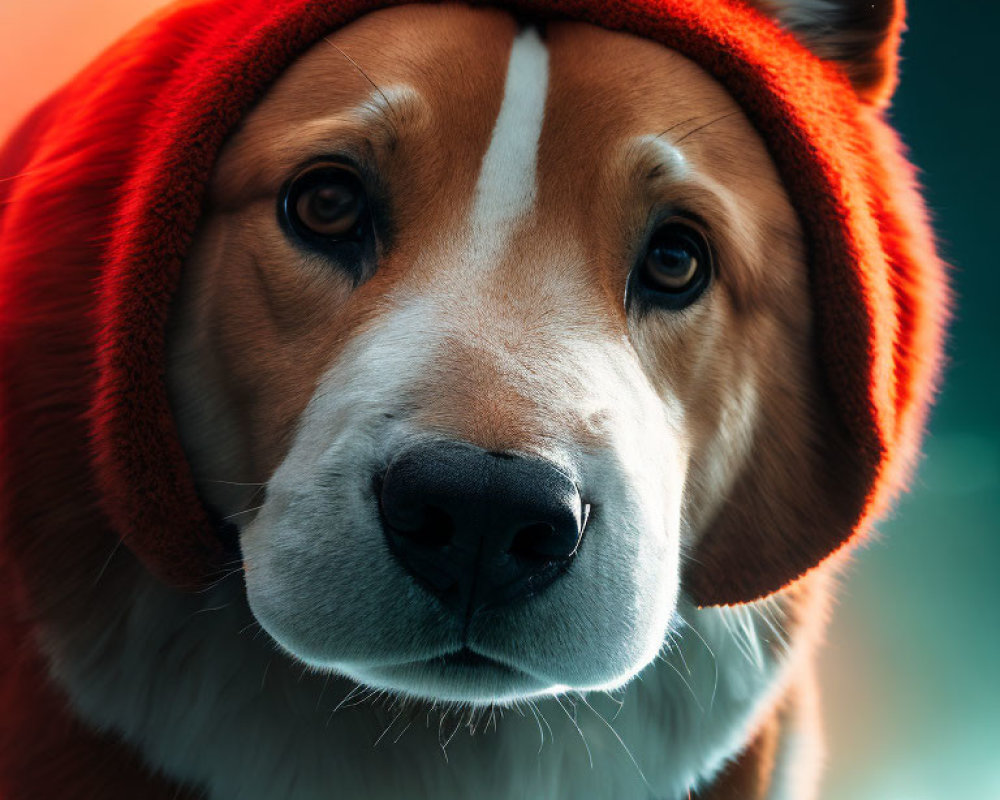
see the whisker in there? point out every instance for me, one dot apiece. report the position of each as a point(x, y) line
point(322, 691)
point(766, 614)
point(357, 688)
point(729, 621)
point(715, 662)
point(680, 675)
point(367, 695)
point(572, 719)
point(406, 727)
point(680, 654)
point(389, 727)
point(107, 562)
point(707, 124)
point(211, 608)
point(28, 174)
point(244, 511)
point(545, 721)
point(357, 66)
point(537, 714)
point(538, 722)
point(751, 636)
point(675, 126)
point(218, 581)
point(620, 703)
point(625, 747)
point(444, 745)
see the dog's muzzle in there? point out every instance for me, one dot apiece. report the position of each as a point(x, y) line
point(479, 528)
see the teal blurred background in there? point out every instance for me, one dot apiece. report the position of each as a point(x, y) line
point(911, 669)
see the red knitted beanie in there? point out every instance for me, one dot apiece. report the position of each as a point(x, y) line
point(102, 186)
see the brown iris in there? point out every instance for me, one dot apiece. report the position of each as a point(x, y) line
point(676, 260)
point(329, 201)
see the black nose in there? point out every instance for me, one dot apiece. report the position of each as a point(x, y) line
point(480, 528)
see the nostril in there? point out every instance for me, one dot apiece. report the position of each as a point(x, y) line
point(535, 543)
point(550, 541)
point(412, 518)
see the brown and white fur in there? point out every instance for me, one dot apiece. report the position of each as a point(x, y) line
point(522, 167)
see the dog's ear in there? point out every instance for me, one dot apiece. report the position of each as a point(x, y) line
point(860, 35)
point(795, 503)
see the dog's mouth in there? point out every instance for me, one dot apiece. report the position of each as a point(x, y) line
point(462, 675)
point(467, 665)
point(468, 658)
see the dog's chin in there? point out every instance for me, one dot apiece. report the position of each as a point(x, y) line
point(462, 677)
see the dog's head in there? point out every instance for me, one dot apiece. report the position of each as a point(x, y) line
point(494, 338)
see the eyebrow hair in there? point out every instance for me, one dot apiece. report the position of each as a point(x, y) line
point(367, 77)
point(662, 156)
point(663, 144)
point(370, 125)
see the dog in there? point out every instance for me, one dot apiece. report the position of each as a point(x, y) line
point(497, 355)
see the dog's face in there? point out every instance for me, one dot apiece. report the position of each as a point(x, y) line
point(501, 316)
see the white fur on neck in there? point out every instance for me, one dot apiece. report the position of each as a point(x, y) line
point(204, 695)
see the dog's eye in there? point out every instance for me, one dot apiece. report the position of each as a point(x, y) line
point(332, 209)
point(326, 207)
point(676, 267)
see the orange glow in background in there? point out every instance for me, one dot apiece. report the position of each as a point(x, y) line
point(45, 42)
point(911, 669)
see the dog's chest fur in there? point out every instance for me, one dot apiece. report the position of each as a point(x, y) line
point(204, 696)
